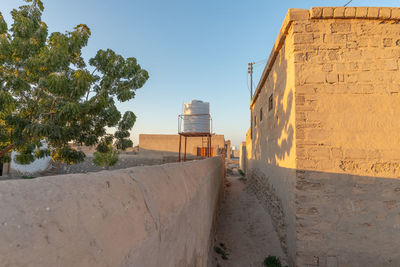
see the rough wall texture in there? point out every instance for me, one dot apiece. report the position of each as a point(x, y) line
point(242, 158)
point(143, 216)
point(168, 144)
point(345, 120)
point(274, 153)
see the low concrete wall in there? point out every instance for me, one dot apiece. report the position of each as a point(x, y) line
point(143, 216)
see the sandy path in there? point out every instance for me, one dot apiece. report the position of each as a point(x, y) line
point(245, 229)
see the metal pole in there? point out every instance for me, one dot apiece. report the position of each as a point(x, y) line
point(179, 157)
point(250, 71)
point(210, 146)
point(185, 148)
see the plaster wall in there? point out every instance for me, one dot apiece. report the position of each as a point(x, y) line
point(168, 144)
point(273, 146)
point(143, 216)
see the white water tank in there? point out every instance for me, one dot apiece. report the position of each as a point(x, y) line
point(196, 117)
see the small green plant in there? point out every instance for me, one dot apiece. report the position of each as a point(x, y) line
point(229, 171)
point(106, 158)
point(221, 252)
point(27, 177)
point(241, 172)
point(272, 261)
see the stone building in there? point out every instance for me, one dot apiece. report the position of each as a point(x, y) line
point(323, 153)
point(162, 145)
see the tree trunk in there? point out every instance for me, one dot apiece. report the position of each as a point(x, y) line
point(5, 150)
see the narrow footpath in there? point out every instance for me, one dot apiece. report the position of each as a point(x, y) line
point(245, 235)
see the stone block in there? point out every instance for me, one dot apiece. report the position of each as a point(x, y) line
point(298, 57)
point(387, 42)
point(298, 27)
point(391, 64)
point(308, 260)
point(361, 12)
point(316, 12)
point(373, 12)
point(305, 38)
point(340, 26)
point(355, 153)
point(319, 153)
point(328, 67)
point(317, 134)
point(306, 164)
point(338, 12)
point(333, 55)
point(385, 13)
point(336, 153)
point(314, 78)
point(332, 78)
point(396, 13)
point(327, 12)
point(350, 12)
point(298, 14)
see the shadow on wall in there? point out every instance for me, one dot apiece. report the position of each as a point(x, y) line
point(340, 219)
point(347, 219)
point(276, 131)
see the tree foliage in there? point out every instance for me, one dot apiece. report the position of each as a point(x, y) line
point(47, 91)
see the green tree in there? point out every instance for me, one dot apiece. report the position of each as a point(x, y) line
point(47, 92)
point(107, 155)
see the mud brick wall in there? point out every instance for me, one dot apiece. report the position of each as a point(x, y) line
point(143, 216)
point(343, 133)
point(271, 157)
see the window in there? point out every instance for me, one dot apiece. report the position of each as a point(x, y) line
point(270, 102)
point(260, 114)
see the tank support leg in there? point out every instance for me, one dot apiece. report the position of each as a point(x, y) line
point(179, 155)
point(185, 148)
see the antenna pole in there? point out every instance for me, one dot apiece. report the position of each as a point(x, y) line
point(250, 71)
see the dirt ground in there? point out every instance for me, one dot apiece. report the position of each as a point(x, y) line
point(244, 229)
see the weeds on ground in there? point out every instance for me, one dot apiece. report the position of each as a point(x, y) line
point(221, 251)
point(272, 261)
point(229, 171)
point(241, 172)
point(27, 177)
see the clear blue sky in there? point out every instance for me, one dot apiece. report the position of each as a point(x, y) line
point(191, 49)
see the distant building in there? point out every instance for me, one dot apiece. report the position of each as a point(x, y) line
point(168, 145)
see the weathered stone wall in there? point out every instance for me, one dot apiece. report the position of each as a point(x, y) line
point(348, 92)
point(273, 153)
point(347, 220)
point(143, 216)
point(346, 130)
point(347, 122)
point(242, 159)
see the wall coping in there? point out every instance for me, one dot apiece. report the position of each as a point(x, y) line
point(294, 14)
